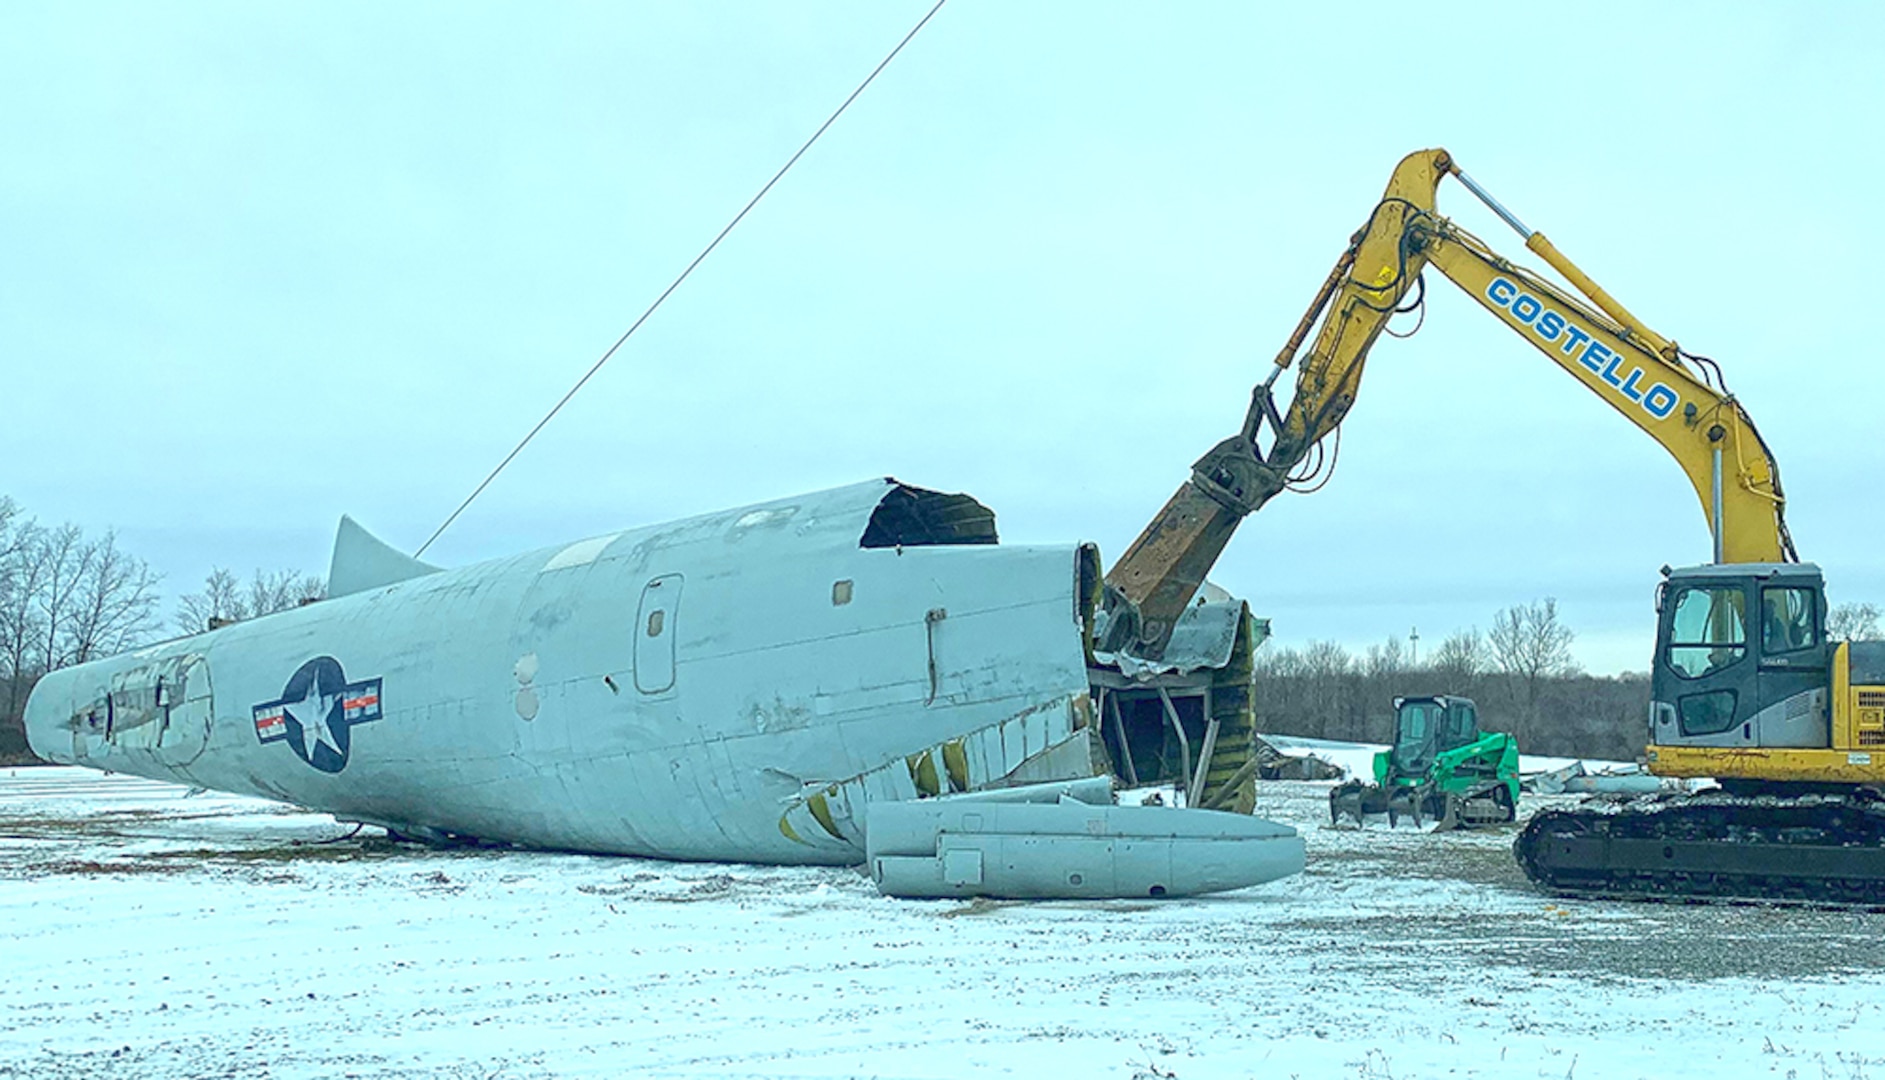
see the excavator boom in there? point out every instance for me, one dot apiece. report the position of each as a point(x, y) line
point(1745, 685)
point(1595, 339)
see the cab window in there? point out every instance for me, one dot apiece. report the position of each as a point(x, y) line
point(1417, 720)
point(1787, 623)
point(1460, 725)
point(1708, 630)
point(1417, 725)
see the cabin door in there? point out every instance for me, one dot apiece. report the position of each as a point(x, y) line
point(654, 634)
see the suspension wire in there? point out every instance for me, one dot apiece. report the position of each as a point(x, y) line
point(708, 250)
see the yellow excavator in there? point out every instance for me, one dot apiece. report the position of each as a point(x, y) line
point(1746, 687)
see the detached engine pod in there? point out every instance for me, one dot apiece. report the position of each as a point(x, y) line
point(943, 847)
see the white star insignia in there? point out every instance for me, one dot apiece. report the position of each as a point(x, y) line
point(311, 713)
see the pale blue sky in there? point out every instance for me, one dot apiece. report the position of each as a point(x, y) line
point(261, 265)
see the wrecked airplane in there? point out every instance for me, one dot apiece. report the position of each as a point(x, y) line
point(739, 686)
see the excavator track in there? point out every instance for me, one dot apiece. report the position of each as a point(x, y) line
point(1713, 847)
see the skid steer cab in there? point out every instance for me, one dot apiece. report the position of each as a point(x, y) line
point(1441, 769)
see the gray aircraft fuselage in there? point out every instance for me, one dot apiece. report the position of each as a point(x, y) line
point(735, 686)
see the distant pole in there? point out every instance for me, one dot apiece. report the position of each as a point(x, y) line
point(1413, 641)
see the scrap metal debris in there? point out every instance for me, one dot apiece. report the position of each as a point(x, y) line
point(1575, 779)
point(1273, 764)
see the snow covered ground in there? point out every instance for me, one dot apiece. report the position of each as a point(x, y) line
point(150, 934)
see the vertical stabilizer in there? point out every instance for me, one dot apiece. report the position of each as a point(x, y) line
point(363, 561)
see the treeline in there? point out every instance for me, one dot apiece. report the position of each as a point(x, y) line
point(66, 598)
point(1520, 673)
point(1589, 716)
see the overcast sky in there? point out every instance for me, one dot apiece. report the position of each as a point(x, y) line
point(265, 264)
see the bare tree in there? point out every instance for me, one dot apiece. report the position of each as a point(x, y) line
point(1530, 645)
point(1384, 660)
point(20, 573)
point(219, 601)
point(1326, 668)
point(113, 606)
point(283, 589)
point(63, 557)
point(225, 599)
point(15, 535)
point(1461, 657)
point(1278, 663)
point(1853, 622)
point(1530, 642)
point(1326, 658)
point(11, 531)
point(65, 600)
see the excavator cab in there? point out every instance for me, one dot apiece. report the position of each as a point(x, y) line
point(1748, 690)
point(1742, 658)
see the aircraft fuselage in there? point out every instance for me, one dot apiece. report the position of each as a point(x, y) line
point(731, 686)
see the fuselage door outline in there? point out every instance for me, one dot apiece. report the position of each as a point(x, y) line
point(655, 634)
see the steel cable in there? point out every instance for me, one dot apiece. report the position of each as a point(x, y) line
point(708, 250)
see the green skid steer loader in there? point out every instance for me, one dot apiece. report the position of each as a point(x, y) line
point(1441, 768)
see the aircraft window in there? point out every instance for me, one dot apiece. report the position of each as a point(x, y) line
point(656, 620)
point(1787, 621)
point(841, 592)
point(1708, 630)
point(1707, 714)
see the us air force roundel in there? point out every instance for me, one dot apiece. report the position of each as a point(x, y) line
point(317, 712)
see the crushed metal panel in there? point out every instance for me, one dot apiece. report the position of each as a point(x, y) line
point(1205, 636)
point(916, 517)
point(832, 815)
point(158, 711)
point(1210, 656)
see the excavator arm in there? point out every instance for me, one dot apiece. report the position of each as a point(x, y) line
point(1678, 399)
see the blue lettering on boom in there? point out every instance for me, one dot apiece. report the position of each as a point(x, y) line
point(1595, 356)
point(1573, 337)
point(1660, 401)
point(1529, 311)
